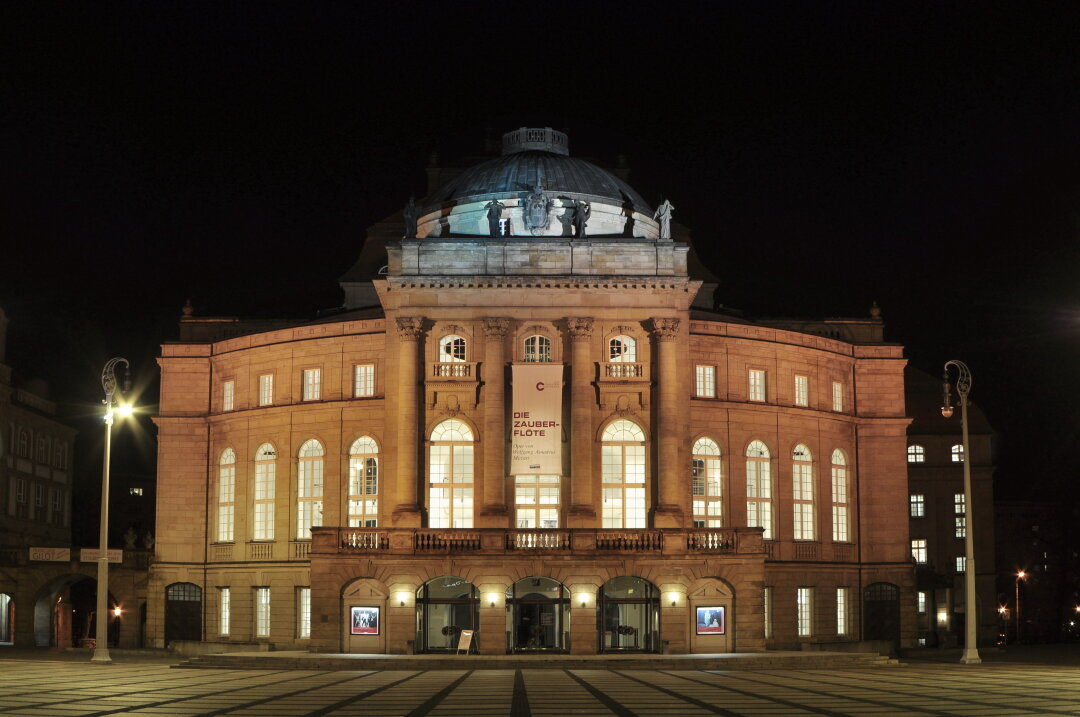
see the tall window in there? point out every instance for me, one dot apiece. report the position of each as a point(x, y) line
point(228, 395)
point(39, 501)
point(364, 483)
point(303, 613)
point(759, 488)
point(226, 495)
point(312, 384)
point(768, 603)
point(309, 489)
point(623, 475)
point(804, 600)
point(920, 602)
point(802, 390)
point(364, 380)
point(538, 349)
point(840, 530)
point(918, 550)
point(20, 498)
point(262, 612)
point(960, 515)
point(705, 483)
point(957, 452)
point(916, 454)
point(266, 389)
point(705, 381)
point(756, 384)
point(917, 502)
point(837, 396)
point(536, 500)
point(961, 564)
point(452, 349)
point(24, 444)
point(802, 486)
point(841, 611)
point(450, 476)
point(57, 506)
point(622, 349)
point(224, 610)
point(265, 487)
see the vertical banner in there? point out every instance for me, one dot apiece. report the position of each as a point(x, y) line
point(536, 426)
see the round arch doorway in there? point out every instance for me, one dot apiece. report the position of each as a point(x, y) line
point(445, 606)
point(629, 615)
point(537, 616)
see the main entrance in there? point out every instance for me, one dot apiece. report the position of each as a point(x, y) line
point(537, 616)
point(444, 607)
point(629, 612)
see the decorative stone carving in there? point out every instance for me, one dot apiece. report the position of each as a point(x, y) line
point(537, 209)
point(580, 328)
point(663, 216)
point(409, 327)
point(496, 327)
point(665, 329)
point(494, 216)
point(411, 213)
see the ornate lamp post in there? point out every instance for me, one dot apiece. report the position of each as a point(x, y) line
point(963, 387)
point(1020, 575)
point(108, 382)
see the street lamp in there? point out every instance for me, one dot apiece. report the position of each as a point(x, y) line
point(963, 387)
point(108, 382)
point(1020, 575)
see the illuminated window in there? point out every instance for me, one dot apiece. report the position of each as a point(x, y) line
point(303, 613)
point(364, 380)
point(450, 476)
point(706, 487)
point(623, 475)
point(916, 454)
point(226, 495)
point(705, 381)
point(536, 501)
point(804, 610)
point(918, 550)
point(802, 483)
point(841, 611)
point(135, 491)
point(538, 349)
point(960, 515)
point(224, 610)
point(837, 396)
point(265, 488)
point(312, 384)
point(840, 530)
point(309, 492)
point(262, 612)
point(452, 349)
point(921, 602)
point(961, 564)
point(756, 380)
point(364, 483)
point(957, 452)
point(266, 389)
point(622, 349)
point(802, 390)
point(917, 503)
point(759, 488)
point(228, 395)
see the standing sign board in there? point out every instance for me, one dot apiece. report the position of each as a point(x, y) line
point(536, 430)
point(465, 641)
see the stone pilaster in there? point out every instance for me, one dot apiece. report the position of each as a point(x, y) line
point(493, 514)
point(582, 512)
point(407, 512)
point(670, 479)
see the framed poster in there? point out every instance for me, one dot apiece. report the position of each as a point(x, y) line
point(365, 621)
point(710, 621)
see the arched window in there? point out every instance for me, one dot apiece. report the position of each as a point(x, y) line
point(623, 469)
point(265, 488)
point(916, 454)
point(802, 492)
point(957, 452)
point(538, 349)
point(622, 349)
point(706, 487)
point(450, 476)
point(840, 532)
point(226, 494)
point(309, 489)
point(364, 483)
point(759, 488)
point(452, 349)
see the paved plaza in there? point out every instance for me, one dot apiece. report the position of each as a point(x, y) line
point(136, 685)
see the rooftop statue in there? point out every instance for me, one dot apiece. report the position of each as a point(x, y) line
point(494, 216)
point(663, 215)
point(537, 212)
point(582, 212)
point(411, 214)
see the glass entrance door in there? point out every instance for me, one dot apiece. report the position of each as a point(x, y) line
point(537, 616)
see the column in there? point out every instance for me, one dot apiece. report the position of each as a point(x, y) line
point(494, 438)
point(671, 476)
point(582, 512)
point(407, 512)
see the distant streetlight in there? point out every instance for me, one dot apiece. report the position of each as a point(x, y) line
point(108, 383)
point(1020, 575)
point(963, 387)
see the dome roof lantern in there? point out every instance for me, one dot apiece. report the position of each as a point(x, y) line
point(543, 139)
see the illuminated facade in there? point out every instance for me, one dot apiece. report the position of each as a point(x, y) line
point(530, 424)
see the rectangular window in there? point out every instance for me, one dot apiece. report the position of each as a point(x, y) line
point(309, 505)
point(20, 498)
point(705, 381)
point(960, 511)
point(917, 501)
point(364, 380)
point(226, 496)
point(262, 612)
point(768, 600)
point(960, 529)
point(312, 384)
point(303, 613)
point(266, 389)
point(450, 487)
point(921, 602)
point(803, 500)
point(840, 531)
point(918, 550)
point(265, 487)
point(756, 378)
point(706, 489)
point(57, 506)
point(837, 396)
point(759, 495)
point(804, 611)
point(961, 564)
point(39, 501)
point(536, 501)
point(841, 611)
point(228, 395)
point(364, 489)
point(225, 609)
point(623, 473)
point(802, 390)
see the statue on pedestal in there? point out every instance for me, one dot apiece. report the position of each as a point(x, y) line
point(494, 215)
point(582, 212)
point(412, 212)
point(663, 215)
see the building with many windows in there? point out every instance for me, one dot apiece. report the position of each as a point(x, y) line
point(530, 430)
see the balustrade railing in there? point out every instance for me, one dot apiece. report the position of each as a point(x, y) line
point(452, 370)
point(538, 540)
point(426, 541)
point(630, 541)
point(624, 370)
point(715, 541)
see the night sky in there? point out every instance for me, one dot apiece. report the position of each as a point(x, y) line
point(924, 155)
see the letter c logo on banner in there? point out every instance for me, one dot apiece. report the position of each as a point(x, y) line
point(539, 385)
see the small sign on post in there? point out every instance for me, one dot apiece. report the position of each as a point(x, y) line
point(464, 642)
point(91, 555)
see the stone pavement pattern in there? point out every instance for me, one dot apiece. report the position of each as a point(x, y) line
point(48, 688)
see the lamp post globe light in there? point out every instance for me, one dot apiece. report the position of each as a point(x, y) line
point(963, 387)
point(1020, 575)
point(108, 383)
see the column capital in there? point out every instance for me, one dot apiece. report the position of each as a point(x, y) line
point(580, 327)
point(409, 327)
point(665, 329)
point(495, 327)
